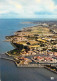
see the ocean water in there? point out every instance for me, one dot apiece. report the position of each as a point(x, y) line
point(8, 69)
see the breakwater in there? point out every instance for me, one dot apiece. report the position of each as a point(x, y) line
point(50, 69)
point(6, 57)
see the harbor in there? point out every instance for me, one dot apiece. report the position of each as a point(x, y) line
point(10, 58)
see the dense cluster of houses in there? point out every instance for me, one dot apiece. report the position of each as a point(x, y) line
point(22, 60)
point(44, 59)
point(51, 57)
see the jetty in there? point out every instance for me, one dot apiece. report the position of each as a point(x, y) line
point(4, 56)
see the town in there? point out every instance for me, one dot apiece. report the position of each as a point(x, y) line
point(34, 45)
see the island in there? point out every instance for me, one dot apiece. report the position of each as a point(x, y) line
point(35, 46)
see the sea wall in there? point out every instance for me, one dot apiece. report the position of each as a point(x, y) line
point(30, 65)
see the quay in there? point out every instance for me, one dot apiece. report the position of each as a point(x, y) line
point(34, 65)
point(30, 65)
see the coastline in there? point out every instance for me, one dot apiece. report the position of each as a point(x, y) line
point(9, 70)
point(17, 34)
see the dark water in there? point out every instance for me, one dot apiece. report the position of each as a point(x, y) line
point(8, 70)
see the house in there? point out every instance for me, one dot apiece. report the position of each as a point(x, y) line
point(55, 53)
point(50, 53)
point(39, 58)
point(48, 59)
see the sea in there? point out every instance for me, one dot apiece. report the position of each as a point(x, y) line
point(8, 69)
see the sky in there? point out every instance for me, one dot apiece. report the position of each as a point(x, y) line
point(28, 9)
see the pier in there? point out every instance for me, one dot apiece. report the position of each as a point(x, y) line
point(4, 56)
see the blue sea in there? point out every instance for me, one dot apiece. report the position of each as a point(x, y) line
point(8, 70)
